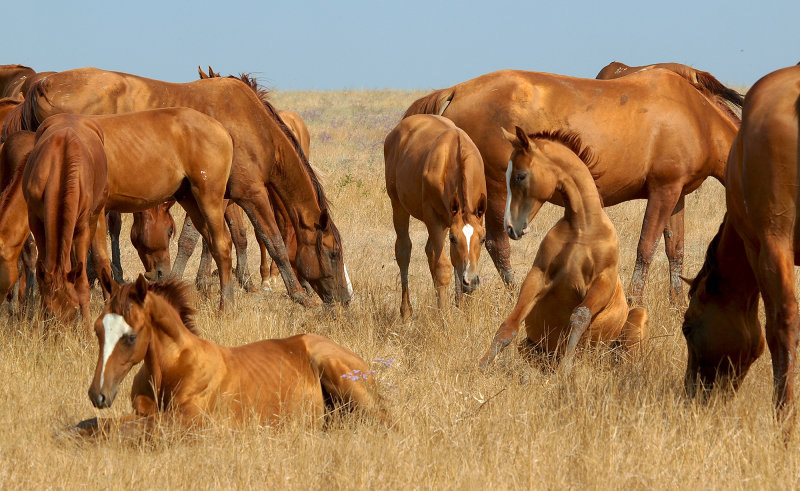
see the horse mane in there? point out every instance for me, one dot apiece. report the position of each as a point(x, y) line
point(177, 293)
point(249, 80)
point(710, 264)
point(434, 103)
point(571, 140)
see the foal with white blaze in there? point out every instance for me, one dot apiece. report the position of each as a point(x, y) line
point(434, 173)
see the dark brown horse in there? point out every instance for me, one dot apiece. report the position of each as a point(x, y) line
point(128, 162)
point(265, 153)
point(655, 136)
point(702, 81)
point(754, 251)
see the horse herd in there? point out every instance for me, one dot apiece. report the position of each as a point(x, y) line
point(474, 162)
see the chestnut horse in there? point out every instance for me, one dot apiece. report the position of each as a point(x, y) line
point(702, 81)
point(151, 232)
point(265, 153)
point(754, 251)
point(435, 173)
point(83, 164)
point(573, 291)
point(655, 136)
point(187, 377)
point(12, 79)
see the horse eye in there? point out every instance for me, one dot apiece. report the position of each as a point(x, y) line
point(130, 339)
point(483, 240)
point(519, 178)
point(170, 232)
point(452, 239)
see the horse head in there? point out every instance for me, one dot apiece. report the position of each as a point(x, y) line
point(321, 262)
point(721, 327)
point(123, 334)
point(151, 233)
point(59, 295)
point(467, 236)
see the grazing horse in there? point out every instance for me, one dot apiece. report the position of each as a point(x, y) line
point(435, 173)
point(754, 251)
point(81, 165)
point(151, 233)
point(573, 291)
point(655, 136)
point(702, 81)
point(187, 377)
point(265, 154)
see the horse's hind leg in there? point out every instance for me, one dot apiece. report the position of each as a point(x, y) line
point(345, 377)
point(402, 254)
point(186, 244)
point(99, 253)
point(634, 330)
point(29, 255)
point(114, 220)
point(235, 221)
point(659, 208)
point(673, 244)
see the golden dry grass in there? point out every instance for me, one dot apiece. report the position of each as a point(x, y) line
point(606, 425)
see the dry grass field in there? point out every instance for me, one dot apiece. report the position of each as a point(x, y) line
point(607, 424)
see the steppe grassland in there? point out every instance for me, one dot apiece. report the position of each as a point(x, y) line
point(607, 424)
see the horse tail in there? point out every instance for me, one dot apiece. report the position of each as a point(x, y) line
point(433, 103)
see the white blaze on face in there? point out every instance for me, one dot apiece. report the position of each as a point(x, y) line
point(507, 216)
point(115, 327)
point(468, 230)
point(347, 278)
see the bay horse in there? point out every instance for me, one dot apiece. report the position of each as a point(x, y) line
point(573, 291)
point(754, 252)
point(655, 136)
point(435, 173)
point(702, 81)
point(81, 165)
point(265, 154)
point(186, 377)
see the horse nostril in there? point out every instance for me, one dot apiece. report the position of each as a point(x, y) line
point(100, 400)
point(159, 274)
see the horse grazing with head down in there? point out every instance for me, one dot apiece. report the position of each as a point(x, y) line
point(81, 165)
point(655, 136)
point(754, 251)
point(573, 291)
point(435, 173)
point(700, 80)
point(188, 377)
point(265, 154)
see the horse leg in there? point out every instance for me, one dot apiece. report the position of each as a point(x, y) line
point(634, 330)
point(114, 229)
point(29, 255)
point(186, 244)
point(775, 273)
point(204, 210)
point(528, 296)
point(84, 233)
point(203, 279)
point(402, 254)
point(673, 245)
point(439, 263)
point(260, 212)
point(659, 208)
point(497, 244)
point(597, 296)
point(235, 221)
point(100, 260)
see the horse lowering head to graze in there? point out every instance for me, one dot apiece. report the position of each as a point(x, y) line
point(435, 173)
point(573, 291)
point(186, 377)
point(151, 233)
point(754, 252)
point(655, 137)
point(265, 154)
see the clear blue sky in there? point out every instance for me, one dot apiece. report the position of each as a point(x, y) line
point(411, 44)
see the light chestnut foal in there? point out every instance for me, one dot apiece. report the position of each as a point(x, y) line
point(435, 173)
point(573, 289)
point(187, 377)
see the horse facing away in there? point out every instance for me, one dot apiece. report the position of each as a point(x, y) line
point(12, 78)
point(435, 173)
point(573, 290)
point(654, 135)
point(265, 154)
point(188, 377)
point(700, 80)
point(83, 164)
point(754, 251)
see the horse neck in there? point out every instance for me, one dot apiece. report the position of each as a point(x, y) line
point(578, 191)
point(733, 273)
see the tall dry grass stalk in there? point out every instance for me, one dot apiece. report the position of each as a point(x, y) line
point(609, 424)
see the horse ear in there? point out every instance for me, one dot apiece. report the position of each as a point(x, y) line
point(522, 137)
point(686, 280)
point(509, 136)
point(107, 283)
point(211, 73)
point(481, 210)
point(202, 74)
point(140, 289)
point(324, 219)
point(454, 207)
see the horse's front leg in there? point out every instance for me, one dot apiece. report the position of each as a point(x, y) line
point(438, 262)
point(596, 298)
point(114, 221)
point(497, 243)
point(186, 244)
point(99, 251)
point(673, 245)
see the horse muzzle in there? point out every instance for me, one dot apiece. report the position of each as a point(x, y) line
point(516, 233)
point(470, 283)
point(100, 400)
